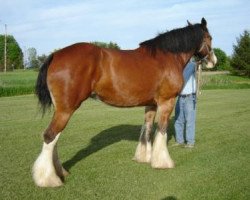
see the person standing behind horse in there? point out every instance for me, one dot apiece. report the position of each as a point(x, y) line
point(185, 109)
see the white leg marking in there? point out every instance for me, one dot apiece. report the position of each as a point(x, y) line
point(44, 172)
point(160, 155)
point(143, 152)
point(144, 149)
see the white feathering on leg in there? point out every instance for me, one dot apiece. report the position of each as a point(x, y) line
point(143, 152)
point(44, 173)
point(143, 149)
point(160, 156)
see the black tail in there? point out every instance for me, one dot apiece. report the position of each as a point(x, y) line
point(42, 90)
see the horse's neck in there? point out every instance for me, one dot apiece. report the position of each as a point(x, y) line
point(184, 58)
point(181, 58)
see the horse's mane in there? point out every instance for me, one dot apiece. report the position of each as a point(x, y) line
point(177, 40)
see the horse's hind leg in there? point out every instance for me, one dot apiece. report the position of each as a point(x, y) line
point(47, 169)
point(143, 150)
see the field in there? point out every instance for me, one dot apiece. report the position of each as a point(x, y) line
point(17, 83)
point(224, 81)
point(99, 142)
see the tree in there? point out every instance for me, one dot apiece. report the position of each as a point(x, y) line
point(241, 55)
point(222, 60)
point(14, 57)
point(41, 59)
point(110, 45)
point(32, 58)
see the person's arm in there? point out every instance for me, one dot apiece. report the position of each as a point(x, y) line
point(190, 69)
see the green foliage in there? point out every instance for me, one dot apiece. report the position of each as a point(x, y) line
point(222, 60)
point(32, 58)
point(41, 59)
point(110, 45)
point(99, 142)
point(14, 54)
point(241, 56)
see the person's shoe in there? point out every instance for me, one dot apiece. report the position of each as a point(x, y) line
point(189, 146)
point(177, 144)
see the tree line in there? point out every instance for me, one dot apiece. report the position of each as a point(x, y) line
point(238, 63)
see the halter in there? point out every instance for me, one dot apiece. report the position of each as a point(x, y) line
point(204, 45)
point(198, 68)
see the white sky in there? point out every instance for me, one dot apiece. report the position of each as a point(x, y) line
point(51, 24)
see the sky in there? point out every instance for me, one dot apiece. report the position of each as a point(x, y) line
point(47, 25)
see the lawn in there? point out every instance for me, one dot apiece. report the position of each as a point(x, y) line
point(99, 142)
point(17, 82)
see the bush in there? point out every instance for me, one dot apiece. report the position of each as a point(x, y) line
point(222, 60)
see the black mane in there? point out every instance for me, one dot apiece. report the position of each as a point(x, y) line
point(176, 41)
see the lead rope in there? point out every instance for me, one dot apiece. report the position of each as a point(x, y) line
point(198, 72)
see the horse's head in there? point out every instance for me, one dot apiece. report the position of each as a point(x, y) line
point(205, 51)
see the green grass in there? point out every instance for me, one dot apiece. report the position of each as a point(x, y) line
point(17, 83)
point(99, 142)
point(225, 81)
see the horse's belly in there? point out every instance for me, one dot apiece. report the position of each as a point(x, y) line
point(123, 98)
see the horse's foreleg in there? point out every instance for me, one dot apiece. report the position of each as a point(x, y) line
point(160, 155)
point(143, 150)
point(47, 169)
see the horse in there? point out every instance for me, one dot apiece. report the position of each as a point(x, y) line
point(150, 76)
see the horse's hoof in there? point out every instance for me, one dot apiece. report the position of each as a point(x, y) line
point(168, 165)
point(65, 172)
point(141, 160)
point(49, 182)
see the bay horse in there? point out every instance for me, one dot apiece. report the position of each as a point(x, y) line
point(149, 76)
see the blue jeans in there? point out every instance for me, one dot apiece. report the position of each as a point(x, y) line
point(185, 114)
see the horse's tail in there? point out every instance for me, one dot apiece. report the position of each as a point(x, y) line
point(41, 89)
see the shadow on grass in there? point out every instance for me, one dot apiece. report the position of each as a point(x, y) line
point(108, 137)
point(104, 139)
point(170, 198)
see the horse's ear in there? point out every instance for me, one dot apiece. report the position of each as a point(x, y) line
point(203, 22)
point(189, 23)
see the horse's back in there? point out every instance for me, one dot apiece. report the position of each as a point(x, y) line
point(128, 77)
